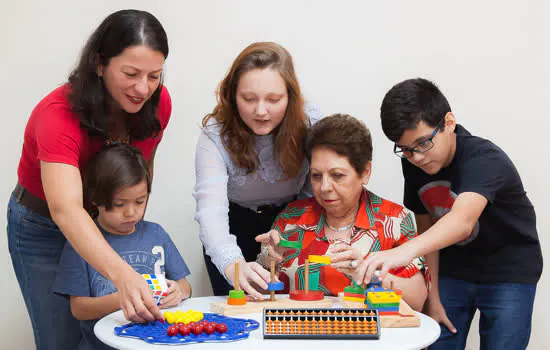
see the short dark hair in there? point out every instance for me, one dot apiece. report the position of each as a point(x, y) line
point(410, 102)
point(88, 96)
point(345, 135)
point(112, 168)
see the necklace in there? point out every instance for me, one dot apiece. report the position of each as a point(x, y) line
point(125, 139)
point(339, 229)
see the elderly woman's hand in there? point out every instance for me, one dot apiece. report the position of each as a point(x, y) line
point(270, 247)
point(344, 258)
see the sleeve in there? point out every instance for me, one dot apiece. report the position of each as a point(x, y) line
point(58, 135)
point(291, 214)
point(484, 173)
point(408, 231)
point(212, 211)
point(307, 189)
point(72, 274)
point(175, 266)
point(164, 111)
point(314, 114)
point(411, 199)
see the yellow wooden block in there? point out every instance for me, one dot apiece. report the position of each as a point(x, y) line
point(383, 297)
point(319, 259)
point(359, 300)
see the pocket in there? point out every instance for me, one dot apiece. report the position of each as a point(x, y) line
point(38, 221)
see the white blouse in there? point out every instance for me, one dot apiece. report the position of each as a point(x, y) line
point(219, 180)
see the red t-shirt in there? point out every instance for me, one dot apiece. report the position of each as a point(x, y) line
point(53, 134)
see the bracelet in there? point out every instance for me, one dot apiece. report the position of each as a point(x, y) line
point(264, 252)
point(260, 259)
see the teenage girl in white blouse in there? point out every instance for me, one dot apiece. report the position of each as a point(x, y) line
point(249, 162)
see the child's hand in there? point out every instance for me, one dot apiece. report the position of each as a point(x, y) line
point(175, 295)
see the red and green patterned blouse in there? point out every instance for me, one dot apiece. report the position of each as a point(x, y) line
point(379, 225)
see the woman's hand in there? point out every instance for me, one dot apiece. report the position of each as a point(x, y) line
point(270, 240)
point(175, 295)
point(344, 258)
point(136, 301)
point(249, 272)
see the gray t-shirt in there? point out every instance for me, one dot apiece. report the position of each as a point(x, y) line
point(148, 250)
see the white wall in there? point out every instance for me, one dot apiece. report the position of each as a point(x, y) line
point(490, 58)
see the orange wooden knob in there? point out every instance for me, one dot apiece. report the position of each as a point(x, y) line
point(236, 301)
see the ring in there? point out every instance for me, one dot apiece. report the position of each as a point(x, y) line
point(353, 264)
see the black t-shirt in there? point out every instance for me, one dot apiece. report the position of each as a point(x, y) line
point(504, 246)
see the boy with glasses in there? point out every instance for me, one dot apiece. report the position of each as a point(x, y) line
point(478, 226)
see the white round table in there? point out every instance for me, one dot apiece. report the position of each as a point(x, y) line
point(390, 338)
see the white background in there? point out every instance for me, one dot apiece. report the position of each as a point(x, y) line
point(490, 58)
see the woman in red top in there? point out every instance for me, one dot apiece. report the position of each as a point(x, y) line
point(115, 94)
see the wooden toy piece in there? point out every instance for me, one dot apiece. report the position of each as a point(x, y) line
point(290, 244)
point(236, 296)
point(236, 280)
point(273, 286)
point(353, 288)
point(236, 301)
point(386, 301)
point(306, 294)
point(272, 270)
point(319, 259)
point(406, 317)
point(297, 300)
point(306, 289)
point(353, 292)
point(254, 306)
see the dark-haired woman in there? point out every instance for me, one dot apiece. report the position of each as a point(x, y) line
point(115, 94)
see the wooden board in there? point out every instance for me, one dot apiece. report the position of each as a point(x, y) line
point(258, 306)
point(407, 317)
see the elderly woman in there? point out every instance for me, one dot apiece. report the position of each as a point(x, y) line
point(344, 220)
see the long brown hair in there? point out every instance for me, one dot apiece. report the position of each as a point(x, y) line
point(237, 138)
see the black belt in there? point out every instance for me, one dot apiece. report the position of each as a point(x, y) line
point(30, 201)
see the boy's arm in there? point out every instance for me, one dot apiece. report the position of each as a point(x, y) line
point(453, 227)
point(433, 306)
point(93, 308)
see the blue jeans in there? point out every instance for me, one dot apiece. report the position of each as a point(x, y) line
point(35, 245)
point(505, 311)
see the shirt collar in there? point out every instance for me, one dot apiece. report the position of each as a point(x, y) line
point(364, 219)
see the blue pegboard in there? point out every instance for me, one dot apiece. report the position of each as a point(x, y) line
point(155, 332)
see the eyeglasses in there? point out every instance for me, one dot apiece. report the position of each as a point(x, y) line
point(422, 147)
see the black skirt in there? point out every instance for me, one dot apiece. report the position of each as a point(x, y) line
point(245, 224)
